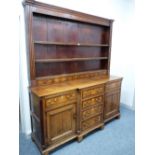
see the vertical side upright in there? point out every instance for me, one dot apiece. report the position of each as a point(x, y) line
point(29, 41)
point(110, 44)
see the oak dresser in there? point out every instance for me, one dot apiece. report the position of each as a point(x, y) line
point(71, 90)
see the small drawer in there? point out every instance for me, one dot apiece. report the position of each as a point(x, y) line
point(112, 85)
point(60, 99)
point(92, 112)
point(92, 102)
point(92, 91)
point(91, 122)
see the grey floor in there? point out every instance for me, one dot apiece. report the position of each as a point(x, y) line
point(117, 138)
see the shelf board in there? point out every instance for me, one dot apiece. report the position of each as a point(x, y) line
point(69, 44)
point(69, 59)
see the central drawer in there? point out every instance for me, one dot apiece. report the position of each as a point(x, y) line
point(92, 91)
point(91, 122)
point(93, 101)
point(92, 112)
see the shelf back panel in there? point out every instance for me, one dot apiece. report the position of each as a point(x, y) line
point(48, 28)
point(66, 42)
point(58, 68)
point(56, 52)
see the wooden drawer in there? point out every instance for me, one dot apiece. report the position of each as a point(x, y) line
point(92, 101)
point(112, 85)
point(92, 112)
point(92, 91)
point(91, 122)
point(60, 99)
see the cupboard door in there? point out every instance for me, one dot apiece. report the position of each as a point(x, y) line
point(112, 102)
point(61, 123)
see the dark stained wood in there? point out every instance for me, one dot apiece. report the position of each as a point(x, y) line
point(35, 105)
point(64, 38)
point(60, 52)
point(71, 90)
point(29, 44)
point(57, 68)
point(65, 32)
point(36, 129)
point(52, 10)
point(109, 37)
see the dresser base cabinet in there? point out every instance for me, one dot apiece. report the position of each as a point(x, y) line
point(60, 117)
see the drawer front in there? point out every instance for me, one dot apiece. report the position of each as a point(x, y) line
point(61, 99)
point(91, 122)
point(112, 85)
point(92, 112)
point(92, 101)
point(90, 92)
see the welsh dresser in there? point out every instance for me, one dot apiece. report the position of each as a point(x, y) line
point(71, 90)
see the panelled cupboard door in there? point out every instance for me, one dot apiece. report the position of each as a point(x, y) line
point(61, 123)
point(112, 102)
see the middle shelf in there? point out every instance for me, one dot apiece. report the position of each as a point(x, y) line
point(70, 59)
point(70, 44)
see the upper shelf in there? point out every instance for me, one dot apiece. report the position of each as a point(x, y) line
point(69, 44)
point(70, 59)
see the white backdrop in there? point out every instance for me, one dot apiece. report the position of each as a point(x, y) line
point(122, 57)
